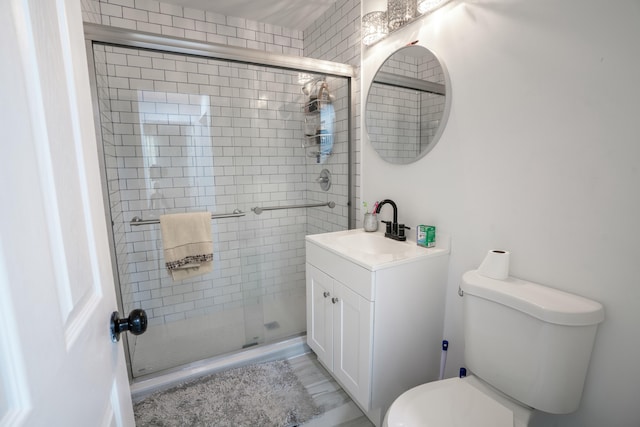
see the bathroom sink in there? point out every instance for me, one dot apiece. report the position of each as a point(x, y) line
point(372, 243)
point(373, 250)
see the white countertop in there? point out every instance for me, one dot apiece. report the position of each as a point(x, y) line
point(373, 251)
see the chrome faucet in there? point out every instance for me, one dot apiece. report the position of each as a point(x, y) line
point(394, 230)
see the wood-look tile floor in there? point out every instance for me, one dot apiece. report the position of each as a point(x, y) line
point(337, 407)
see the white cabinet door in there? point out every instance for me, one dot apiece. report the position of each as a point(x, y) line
point(352, 337)
point(340, 331)
point(319, 314)
point(58, 366)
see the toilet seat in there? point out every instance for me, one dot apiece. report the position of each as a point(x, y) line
point(455, 402)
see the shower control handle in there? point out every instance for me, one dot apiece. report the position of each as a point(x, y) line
point(136, 323)
point(325, 294)
point(334, 300)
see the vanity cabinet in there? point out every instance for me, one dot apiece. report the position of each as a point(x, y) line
point(339, 331)
point(375, 322)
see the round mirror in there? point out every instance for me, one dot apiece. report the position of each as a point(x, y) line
point(407, 105)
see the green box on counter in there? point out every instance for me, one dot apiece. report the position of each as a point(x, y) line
point(426, 235)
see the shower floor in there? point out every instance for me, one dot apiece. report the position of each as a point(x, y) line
point(180, 342)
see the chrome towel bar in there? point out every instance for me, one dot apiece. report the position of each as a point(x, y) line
point(238, 213)
point(139, 221)
point(258, 210)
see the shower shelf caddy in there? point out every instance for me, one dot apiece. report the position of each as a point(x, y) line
point(319, 123)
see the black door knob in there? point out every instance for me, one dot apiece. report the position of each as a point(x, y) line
point(136, 323)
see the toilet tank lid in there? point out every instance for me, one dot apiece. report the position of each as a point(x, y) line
point(547, 304)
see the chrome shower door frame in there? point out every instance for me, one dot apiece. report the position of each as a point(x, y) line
point(136, 39)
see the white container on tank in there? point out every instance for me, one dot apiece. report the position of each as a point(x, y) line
point(529, 341)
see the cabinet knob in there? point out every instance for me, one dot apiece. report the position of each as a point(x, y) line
point(326, 294)
point(334, 300)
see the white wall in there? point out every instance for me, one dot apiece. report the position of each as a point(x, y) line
point(541, 156)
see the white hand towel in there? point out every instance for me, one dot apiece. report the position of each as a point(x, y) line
point(188, 245)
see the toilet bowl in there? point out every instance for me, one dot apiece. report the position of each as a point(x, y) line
point(527, 345)
point(456, 402)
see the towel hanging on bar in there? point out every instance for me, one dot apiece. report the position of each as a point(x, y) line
point(188, 245)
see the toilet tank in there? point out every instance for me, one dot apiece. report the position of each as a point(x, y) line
point(529, 341)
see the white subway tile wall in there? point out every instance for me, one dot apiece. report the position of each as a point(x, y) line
point(335, 36)
point(195, 134)
point(167, 19)
point(245, 151)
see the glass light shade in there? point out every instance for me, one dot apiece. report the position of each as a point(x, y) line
point(426, 6)
point(374, 27)
point(400, 12)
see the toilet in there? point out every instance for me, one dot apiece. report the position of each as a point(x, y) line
point(528, 348)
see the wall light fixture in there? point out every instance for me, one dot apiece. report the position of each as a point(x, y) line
point(382, 17)
point(374, 21)
point(401, 12)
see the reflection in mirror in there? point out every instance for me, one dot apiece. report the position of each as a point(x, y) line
point(406, 105)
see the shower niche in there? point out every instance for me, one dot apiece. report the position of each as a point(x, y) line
point(319, 120)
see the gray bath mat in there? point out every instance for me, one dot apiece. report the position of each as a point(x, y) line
point(265, 395)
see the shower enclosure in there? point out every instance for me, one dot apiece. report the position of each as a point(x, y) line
point(193, 128)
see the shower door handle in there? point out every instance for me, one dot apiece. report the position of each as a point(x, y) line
point(136, 323)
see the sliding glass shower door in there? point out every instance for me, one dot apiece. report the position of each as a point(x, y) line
point(183, 134)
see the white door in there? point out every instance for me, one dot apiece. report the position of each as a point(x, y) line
point(58, 366)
